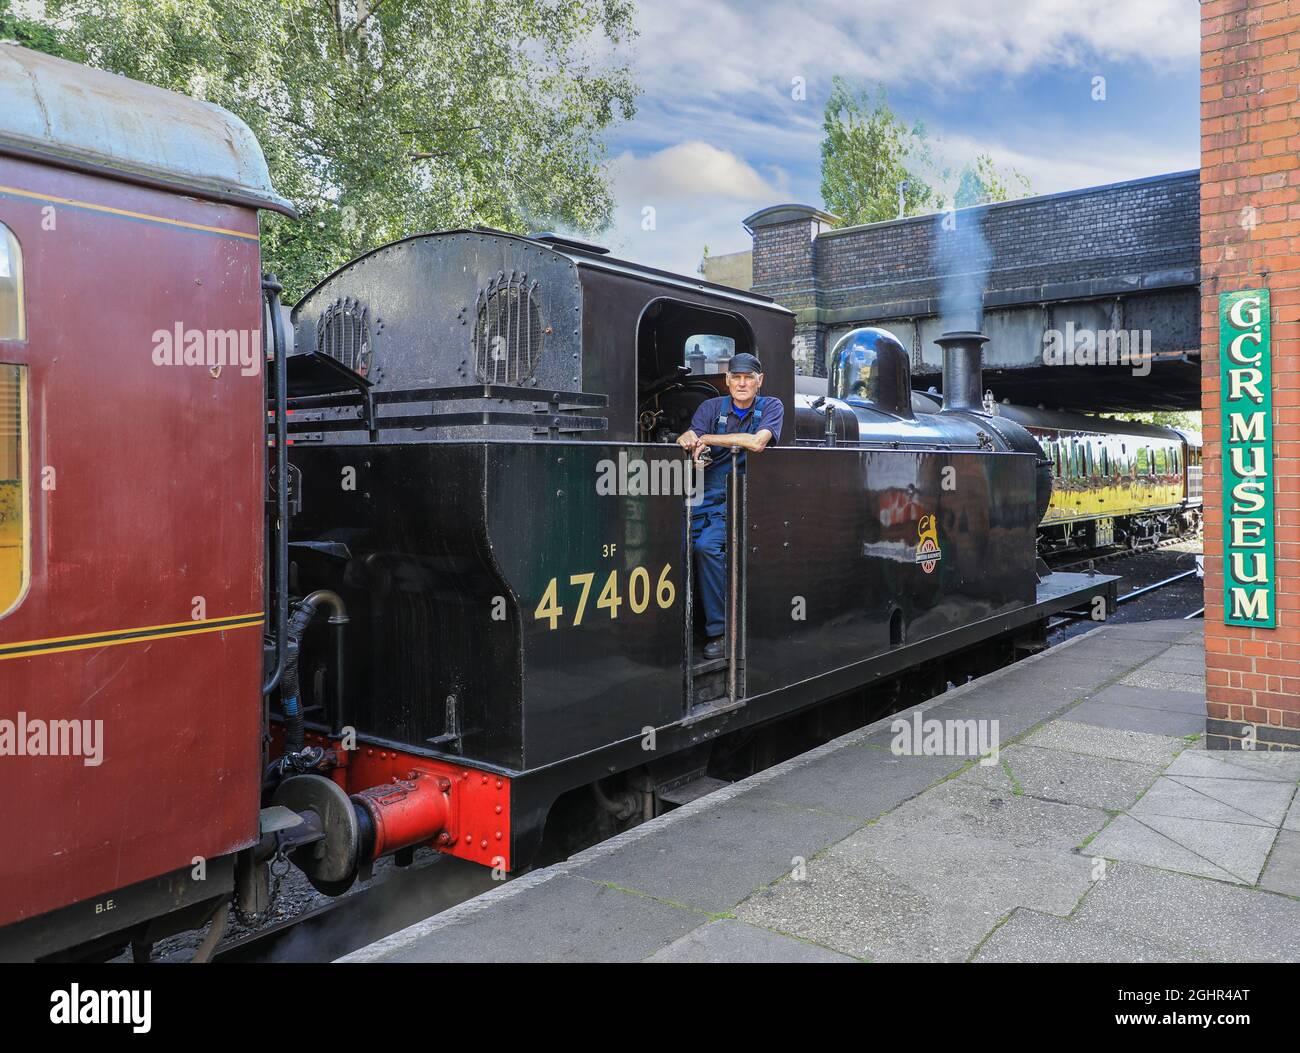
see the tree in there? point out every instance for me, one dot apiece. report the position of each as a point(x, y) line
point(1188, 420)
point(28, 32)
point(982, 182)
point(867, 152)
point(384, 118)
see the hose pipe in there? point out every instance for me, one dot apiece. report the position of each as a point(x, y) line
point(303, 613)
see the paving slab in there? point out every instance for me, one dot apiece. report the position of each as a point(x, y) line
point(1116, 743)
point(1292, 821)
point(1014, 717)
point(1282, 874)
point(728, 940)
point(1219, 800)
point(1131, 718)
point(1104, 645)
point(1031, 936)
point(1222, 922)
point(1149, 632)
point(850, 782)
point(1122, 694)
point(1232, 852)
point(1058, 775)
point(964, 807)
point(1084, 672)
point(714, 858)
point(918, 901)
point(1164, 680)
point(1171, 663)
point(564, 919)
point(1262, 765)
point(1264, 802)
point(1037, 688)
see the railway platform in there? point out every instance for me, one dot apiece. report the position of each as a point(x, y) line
point(1095, 827)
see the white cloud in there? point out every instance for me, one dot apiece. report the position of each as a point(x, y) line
point(1072, 165)
point(688, 170)
point(714, 50)
point(717, 100)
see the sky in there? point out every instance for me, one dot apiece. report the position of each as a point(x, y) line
point(721, 131)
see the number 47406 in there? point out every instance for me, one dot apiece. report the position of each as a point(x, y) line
point(638, 595)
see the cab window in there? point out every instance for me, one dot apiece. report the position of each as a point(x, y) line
point(14, 525)
point(708, 352)
point(13, 323)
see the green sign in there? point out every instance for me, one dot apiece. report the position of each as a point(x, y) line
point(1246, 417)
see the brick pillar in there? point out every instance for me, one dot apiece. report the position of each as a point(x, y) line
point(1250, 238)
point(785, 268)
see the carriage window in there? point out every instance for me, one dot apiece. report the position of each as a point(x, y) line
point(1143, 460)
point(13, 325)
point(13, 492)
point(1161, 460)
point(1105, 463)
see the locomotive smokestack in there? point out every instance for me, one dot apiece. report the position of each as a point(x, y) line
point(963, 370)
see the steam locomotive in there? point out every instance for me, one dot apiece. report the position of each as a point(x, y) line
point(333, 605)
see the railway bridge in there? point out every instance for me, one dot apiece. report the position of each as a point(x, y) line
point(1090, 297)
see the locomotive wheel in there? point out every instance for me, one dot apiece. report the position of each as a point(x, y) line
point(331, 864)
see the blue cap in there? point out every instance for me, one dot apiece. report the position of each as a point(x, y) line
point(744, 363)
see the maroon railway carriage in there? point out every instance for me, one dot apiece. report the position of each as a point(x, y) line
point(131, 502)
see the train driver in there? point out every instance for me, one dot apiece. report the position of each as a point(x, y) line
point(743, 420)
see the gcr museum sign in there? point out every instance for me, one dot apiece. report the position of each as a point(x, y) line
point(1246, 415)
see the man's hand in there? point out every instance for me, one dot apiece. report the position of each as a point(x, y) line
point(688, 440)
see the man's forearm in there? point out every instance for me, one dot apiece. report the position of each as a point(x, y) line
point(742, 439)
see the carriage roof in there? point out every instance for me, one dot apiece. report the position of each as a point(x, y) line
point(88, 119)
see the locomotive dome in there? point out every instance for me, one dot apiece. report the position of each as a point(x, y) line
point(871, 365)
point(90, 119)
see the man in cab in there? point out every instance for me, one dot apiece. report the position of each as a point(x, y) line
point(724, 431)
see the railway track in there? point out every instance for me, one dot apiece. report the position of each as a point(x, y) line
point(404, 896)
point(1150, 575)
point(1121, 552)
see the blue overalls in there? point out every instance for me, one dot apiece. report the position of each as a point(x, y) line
point(709, 519)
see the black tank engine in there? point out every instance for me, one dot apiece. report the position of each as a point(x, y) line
point(484, 478)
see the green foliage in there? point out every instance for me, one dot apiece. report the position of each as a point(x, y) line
point(384, 118)
point(867, 151)
point(982, 181)
point(28, 32)
point(1188, 420)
